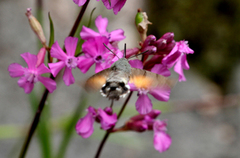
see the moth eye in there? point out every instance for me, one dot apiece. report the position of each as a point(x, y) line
point(122, 84)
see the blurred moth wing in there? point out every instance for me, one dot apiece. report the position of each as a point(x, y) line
point(95, 82)
point(146, 79)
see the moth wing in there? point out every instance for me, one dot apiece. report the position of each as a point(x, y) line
point(95, 82)
point(144, 78)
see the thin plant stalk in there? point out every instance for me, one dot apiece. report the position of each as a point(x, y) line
point(46, 92)
point(108, 132)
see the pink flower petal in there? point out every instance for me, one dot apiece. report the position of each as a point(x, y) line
point(88, 33)
point(178, 69)
point(68, 76)
point(41, 56)
point(42, 69)
point(118, 6)
point(27, 86)
point(161, 141)
point(16, 70)
point(99, 67)
point(184, 62)
point(57, 52)
point(48, 83)
point(161, 70)
point(84, 126)
point(136, 63)
point(117, 35)
point(143, 104)
point(79, 2)
point(171, 58)
point(30, 59)
point(56, 67)
point(101, 24)
point(161, 93)
point(70, 45)
point(85, 63)
point(107, 121)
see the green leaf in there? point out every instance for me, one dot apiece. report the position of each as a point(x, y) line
point(51, 38)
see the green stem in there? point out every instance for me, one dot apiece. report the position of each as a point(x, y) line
point(108, 132)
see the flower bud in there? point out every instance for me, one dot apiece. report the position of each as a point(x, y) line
point(41, 56)
point(36, 26)
point(169, 36)
point(141, 21)
point(161, 44)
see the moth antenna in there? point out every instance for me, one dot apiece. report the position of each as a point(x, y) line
point(110, 50)
point(125, 50)
point(138, 54)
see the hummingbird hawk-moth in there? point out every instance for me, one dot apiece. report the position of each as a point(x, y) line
point(113, 82)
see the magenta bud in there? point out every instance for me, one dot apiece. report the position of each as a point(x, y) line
point(149, 40)
point(138, 126)
point(169, 46)
point(41, 56)
point(169, 36)
point(154, 114)
point(161, 43)
point(149, 49)
point(108, 110)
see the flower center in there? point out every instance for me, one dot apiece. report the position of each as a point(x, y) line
point(31, 77)
point(99, 59)
point(71, 62)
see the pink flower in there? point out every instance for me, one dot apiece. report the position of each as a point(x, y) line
point(178, 57)
point(84, 126)
point(66, 60)
point(101, 23)
point(142, 122)
point(95, 52)
point(161, 140)
point(144, 104)
point(116, 5)
point(32, 74)
point(79, 2)
point(106, 120)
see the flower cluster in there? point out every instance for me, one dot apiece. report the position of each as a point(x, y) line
point(93, 49)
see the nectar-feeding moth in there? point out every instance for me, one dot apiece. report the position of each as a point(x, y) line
point(113, 82)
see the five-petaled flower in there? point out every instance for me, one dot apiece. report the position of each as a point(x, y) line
point(101, 23)
point(95, 52)
point(178, 56)
point(66, 60)
point(142, 84)
point(32, 74)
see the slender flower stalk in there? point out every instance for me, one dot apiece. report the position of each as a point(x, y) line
point(46, 92)
point(108, 132)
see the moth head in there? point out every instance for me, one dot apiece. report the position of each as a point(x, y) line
point(115, 90)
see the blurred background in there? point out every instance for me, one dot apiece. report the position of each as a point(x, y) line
point(203, 113)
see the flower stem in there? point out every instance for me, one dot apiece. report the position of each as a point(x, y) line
point(34, 124)
point(46, 92)
point(108, 132)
